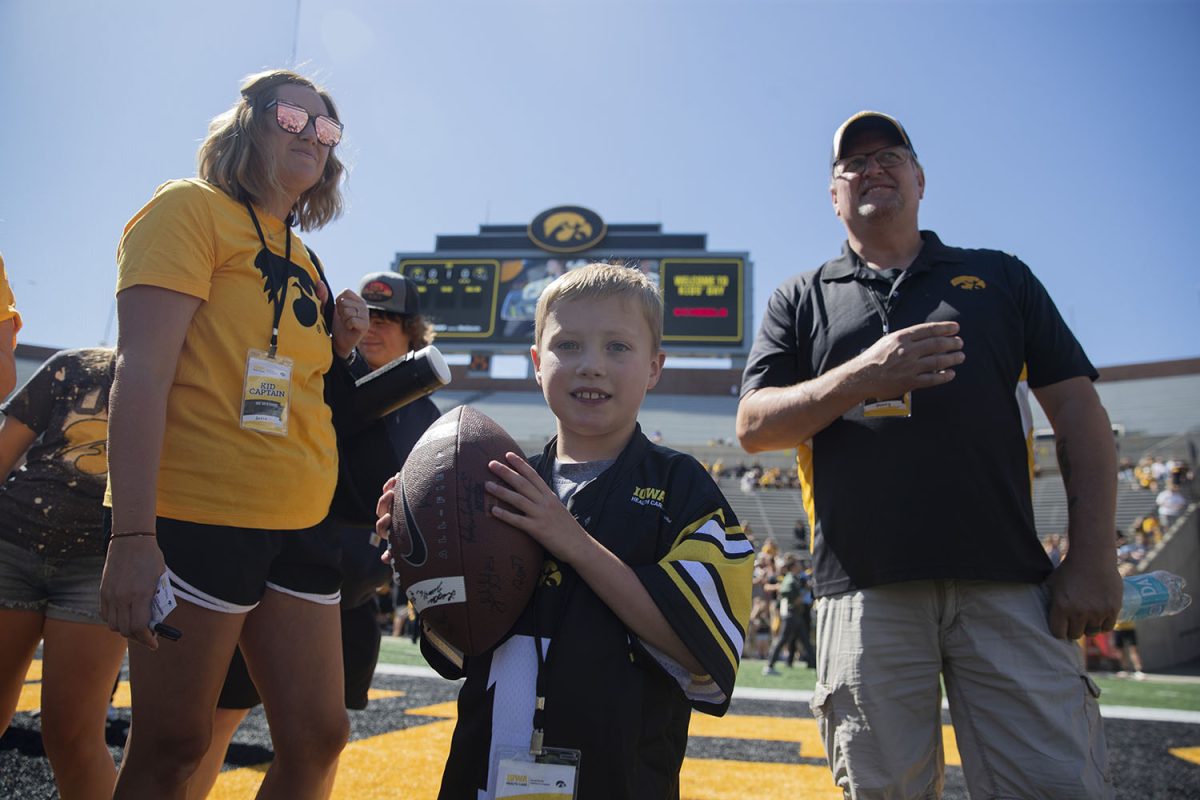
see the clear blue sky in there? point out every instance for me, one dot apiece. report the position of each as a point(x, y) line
point(1063, 132)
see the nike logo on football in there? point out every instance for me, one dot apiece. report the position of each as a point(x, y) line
point(418, 552)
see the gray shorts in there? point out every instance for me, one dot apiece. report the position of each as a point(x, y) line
point(1024, 710)
point(62, 589)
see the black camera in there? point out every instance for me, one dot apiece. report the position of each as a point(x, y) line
point(398, 383)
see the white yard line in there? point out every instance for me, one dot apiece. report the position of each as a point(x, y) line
point(805, 696)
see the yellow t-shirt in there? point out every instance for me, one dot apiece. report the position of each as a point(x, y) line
point(195, 239)
point(8, 304)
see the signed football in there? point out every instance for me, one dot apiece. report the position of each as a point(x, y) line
point(467, 573)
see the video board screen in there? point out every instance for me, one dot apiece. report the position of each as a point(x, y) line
point(459, 296)
point(470, 300)
point(702, 300)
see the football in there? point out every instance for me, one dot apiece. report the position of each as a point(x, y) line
point(467, 573)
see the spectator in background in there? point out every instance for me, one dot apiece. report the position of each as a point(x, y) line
point(759, 641)
point(765, 582)
point(750, 537)
point(1142, 474)
point(793, 616)
point(1123, 541)
point(1150, 529)
point(800, 534)
point(1171, 506)
point(51, 558)
point(1133, 551)
point(404, 615)
point(1178, 472)
point(1158, 472)
point(1125, 640)
point(749, 481)
point(10, 323)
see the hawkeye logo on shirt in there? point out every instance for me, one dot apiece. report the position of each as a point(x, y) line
point(968, 282)
point(551, 574)
point(278, 274)
point(648, 497)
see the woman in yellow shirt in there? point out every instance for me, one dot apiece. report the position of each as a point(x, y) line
point(222, 457)
point(10, 323)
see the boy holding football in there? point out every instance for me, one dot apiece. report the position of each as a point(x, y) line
point(641, 611)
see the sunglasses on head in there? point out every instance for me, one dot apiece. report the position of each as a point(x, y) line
point(294, 119)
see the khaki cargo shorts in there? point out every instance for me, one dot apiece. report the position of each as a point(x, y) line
point(1024, 710)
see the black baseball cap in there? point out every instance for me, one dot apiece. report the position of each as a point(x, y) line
point(391, 292)
point(868, 121)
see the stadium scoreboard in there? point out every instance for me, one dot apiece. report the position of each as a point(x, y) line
point(481, 292)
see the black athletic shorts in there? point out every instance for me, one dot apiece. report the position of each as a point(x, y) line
point(1122, 638)
point(228, 569)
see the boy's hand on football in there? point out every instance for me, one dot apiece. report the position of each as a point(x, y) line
point(383, 514)
point(533, 507)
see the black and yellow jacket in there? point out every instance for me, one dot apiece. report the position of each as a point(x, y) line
point(608, 695)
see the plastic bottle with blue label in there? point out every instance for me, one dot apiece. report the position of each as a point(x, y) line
point(1153, 594)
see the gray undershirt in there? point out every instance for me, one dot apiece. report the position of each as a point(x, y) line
point(570, 478)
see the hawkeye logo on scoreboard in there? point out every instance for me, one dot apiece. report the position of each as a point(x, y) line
point(567, 229)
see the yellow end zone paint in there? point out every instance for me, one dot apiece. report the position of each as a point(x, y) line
point(406, 763)
point(717, 779)
point(1191, 754)
point(30, 698)
point(801, 730)
point(424, 750)
point(371, 768)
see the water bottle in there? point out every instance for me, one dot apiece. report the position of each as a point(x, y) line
point(1153, 594)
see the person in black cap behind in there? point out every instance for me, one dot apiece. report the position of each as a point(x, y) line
point(910, 361)
point(396, 328)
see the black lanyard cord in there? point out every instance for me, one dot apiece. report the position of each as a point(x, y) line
point(279, 296)
point(570, 580)
point(544, 654)
point(884, 307)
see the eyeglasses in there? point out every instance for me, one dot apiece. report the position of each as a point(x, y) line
point(294, 119)
point(885, 157)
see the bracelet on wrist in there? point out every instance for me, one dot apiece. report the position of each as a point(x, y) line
point(128, 534)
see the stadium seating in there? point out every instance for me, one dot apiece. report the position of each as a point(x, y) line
point(1050, 504)
point(769, 512)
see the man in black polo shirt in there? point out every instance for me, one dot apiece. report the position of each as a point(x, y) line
point(900, 372)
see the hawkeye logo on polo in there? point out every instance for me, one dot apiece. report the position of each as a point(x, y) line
point(567, 229)
point(648, 497)
point(968, 282)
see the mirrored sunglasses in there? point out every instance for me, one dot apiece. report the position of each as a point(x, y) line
point(294, 119)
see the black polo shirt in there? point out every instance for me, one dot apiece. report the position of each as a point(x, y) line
point(944, 493)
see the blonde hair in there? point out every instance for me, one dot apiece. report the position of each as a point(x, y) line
point(597, 281)
point(234, 156)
